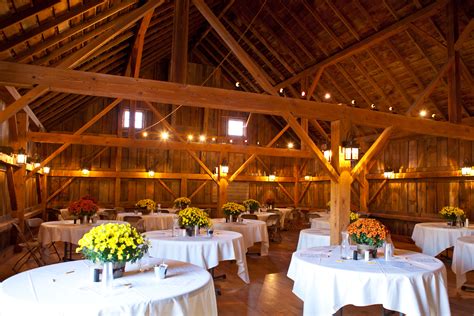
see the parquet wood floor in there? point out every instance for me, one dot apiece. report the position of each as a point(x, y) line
point(270, 291)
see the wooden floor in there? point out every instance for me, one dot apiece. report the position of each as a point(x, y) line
point(270, 291)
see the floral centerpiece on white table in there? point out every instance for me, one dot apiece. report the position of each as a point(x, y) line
point(191, 218)
point(251, 204)
point(112, 245)
point(147, 205)
point(83, 209)
point(182, 203)
point(368, 234)
point(233, 210)
point(451, 213)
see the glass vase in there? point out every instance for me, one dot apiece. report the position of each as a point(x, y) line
point(107, 275)
point(345, 246)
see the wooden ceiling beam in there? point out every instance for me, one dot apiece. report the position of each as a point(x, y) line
point(26, 55)
point(464, 35)
point(50, 23)
point(24, 14)
point(63, 80)
point(233, 45)
point(80, 55)
point(368, 41)
point(16, 95)
point(454, 72)
point(113, 141)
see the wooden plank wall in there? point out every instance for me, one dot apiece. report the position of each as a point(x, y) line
point(421, 199)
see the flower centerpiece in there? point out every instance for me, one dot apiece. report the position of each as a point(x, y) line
point(146, 205)
point(83, 209)
point(233, 210)
point(353, 216)
point(193, 218)
point(112, 245)
point(368, 233)
point(182, 203)
point(451, 213)
point(251, 205)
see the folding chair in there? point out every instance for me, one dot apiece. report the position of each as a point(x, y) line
point(249, 216)
point(273, 226)
point(32, 227)
point(65, 215)
point(137, 222)
point(32, 250)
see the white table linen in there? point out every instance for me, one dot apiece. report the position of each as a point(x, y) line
point(412, 283)
point(262, 216)
point(463, 259)
point(66, 231)
point(313, 238)
point(55, 290)
point(156, 221)
point(202, 251)
point(435, 237)
point(320, 223)
point(252, 230)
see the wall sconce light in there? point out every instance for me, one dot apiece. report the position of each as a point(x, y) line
point(350, 150)
point(151, 173)
point(36, 165)
point(21, 156)
point(272, 177)
point(307, 178)
point(85, 171)
point(46, 169)
point(388, 173)
point(466, 169)
point(326, 152)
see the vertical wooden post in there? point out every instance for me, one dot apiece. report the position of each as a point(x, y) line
point(184, 187)
point(44, 195)
point(296, 191)
point(340, 191)
point(222, 195)
point(454, 83)
point(118, 160)
point(19, 174)
point(364, 193)
point(304, 125)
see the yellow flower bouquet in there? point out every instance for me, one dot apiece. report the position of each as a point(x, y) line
point(451, 213)
point(182, 202)
point(192, 216)
point(147, 204)
point(118, 243)
point(251, 204)
point(353, 216)
point(232, 208)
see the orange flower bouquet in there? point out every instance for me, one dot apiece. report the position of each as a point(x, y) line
point(368, 231)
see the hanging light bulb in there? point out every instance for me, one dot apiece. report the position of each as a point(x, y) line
point(145, 134)
point(303, 94)
point(423, 113)
point(327, 96)
point(165, 135)
point(290, 145)
point(202, 138)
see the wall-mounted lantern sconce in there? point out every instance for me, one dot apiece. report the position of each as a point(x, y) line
point(388, 173)
point(466, 169)
point(85, 171)
point(46, 169)
point(224, 168)
point(350, 150)
point(151, 173)
point(272, 177)
point(21, 157)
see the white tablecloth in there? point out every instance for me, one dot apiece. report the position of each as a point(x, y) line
point(320, 223)
point(413, 283)
point(65, 231)
point(55, 290)
point(253, 231)
point(262, 216)
point(202, 251)
point(463, 258)
point(433, 238)
point(155, 221)
point(313, 238)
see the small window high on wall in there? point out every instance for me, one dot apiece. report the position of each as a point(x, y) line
point(138, 119)
point(235, 127)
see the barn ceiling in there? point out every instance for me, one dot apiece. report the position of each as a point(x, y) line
point(287, 39)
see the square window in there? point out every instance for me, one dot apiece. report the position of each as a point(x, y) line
point(235, 127)
point(138, 119)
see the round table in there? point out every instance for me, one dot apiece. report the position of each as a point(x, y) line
point(262, 216)
point(66, 231)
point(202, 251)
point(433, 238)
point(156, 221)
point(313, 238)
point(320, 223)
point(463, 258)
point(411, 283)
point(252, 230)
point(67, 289)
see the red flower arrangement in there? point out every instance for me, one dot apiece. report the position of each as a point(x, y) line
point(83, 207)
